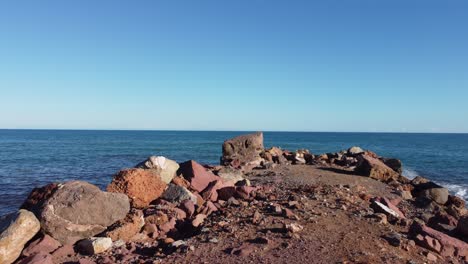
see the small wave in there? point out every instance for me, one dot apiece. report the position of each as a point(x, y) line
point(460, 190)
point(409, 173)
point(457, 189)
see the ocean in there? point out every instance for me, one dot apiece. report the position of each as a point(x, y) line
point(32, 158)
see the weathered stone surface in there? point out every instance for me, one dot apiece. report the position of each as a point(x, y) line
point(141, 186)
point(39, 258)
point(127, 228)
point(38, 197)
point(379, 207)
point(16, 229)
point(374, 168)
point(431, 191)
point(79, 210)
point(177, 194)
point(394, 164)
point(94, 245)
point(163, 167)
point(449, 246)
point(353, 151)
point(45, 244)
point(228, 174)
point(462, 227)
point(243, 150)
point(197, 175)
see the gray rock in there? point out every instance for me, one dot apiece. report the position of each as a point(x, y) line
point(79, 210)
point(438, 195)
point(175, 193)
point(16, 229)
point(230, 175)
point(394, 164)
point(164, 167)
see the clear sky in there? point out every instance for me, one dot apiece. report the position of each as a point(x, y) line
point(348, 65)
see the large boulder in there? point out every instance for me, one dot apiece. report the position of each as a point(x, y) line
point(16, 229)
point(164, 167)
point(243, 151)
point(394, 164)
point(79, 210)
point(197, 175)
point(141, 186)
point(375, 168)
point(431, 191)
point(439, 242)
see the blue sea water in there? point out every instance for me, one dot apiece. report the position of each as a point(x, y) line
point(32, 158)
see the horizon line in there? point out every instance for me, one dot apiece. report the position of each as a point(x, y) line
point(225, 130)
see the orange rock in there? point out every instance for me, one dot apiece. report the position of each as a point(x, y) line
point(141, 186)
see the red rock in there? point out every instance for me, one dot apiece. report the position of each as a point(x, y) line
point(198, 220)
point(450, 246)
point(45, 244)
point(256, 218)
point(226, 192)
point(429, 243)
point(151, 230)
point(141, 186)
point(288, 213)
point(431, 257)
point(179, 213)
point(180, 182)
point(243, 192)
point(167, 227)
point(38, 197)
point(88, 261)
point(197, 175)
point(375, 168)
point(211, 191)
point(211, 206)
point(39, 258)
point(189, 207)
point(64, 252)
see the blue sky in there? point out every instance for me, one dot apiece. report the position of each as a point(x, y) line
point(395, 66)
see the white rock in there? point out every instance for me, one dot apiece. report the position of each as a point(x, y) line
point(95, 245)
point(16, 229)
point(165, 167)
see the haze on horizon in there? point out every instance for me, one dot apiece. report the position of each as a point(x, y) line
point(369, 66)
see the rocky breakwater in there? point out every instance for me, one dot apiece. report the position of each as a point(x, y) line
point(190, 212)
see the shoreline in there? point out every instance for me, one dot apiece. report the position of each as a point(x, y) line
point(162, 210)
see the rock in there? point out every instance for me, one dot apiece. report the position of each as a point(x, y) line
point(197, 175)
point(393, 239)
point(45, 244)
point(374, 168)
point(379, 207)
point(79, 210)
point(226, 193)
point(294, 228)
point(393, 206)
point(38, 197)
point(39, 258)
point(168, 226)
point(449, 246)
point(431, 257)
point(16, 229)
point(228, 174)
point(394, 164)
point(165, 168)
point(198, 220)
point(405, 195)
point(127, 228)
point(243, 150)
point(159, 218)
point(177, 194)
point(179, 181)
point(381, 218)
point(189, 207)
point(64, 252)
point(432, 191)
point(354, 151)
point(462, 227)
point(94, 245)
point(141, 186)
point(456, 201)
point(441, 218)
point(418, 180)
